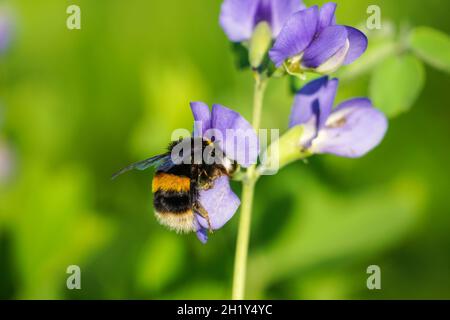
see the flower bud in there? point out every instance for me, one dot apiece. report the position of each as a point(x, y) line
point(259, 44)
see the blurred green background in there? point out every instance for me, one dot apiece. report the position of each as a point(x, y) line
point(76, 105)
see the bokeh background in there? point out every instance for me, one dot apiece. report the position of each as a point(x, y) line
point(76, 105)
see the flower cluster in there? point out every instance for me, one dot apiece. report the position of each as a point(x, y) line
point(351, 129)
point(306, 39)
point(296, 40)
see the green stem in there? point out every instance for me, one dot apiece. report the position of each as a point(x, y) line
point(243, 237)
point(258, 97)
point(240, 263)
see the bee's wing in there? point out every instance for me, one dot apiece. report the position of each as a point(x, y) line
point(161, 162)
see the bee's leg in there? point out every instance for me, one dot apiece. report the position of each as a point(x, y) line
point(206, 185)
point(202, 211)
point(205, 182)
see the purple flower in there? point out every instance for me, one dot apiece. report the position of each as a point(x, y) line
point(221, 203)
point(351, 130)
point(5, 31)
point(230, 132)
point(239, 18)
point(310, 40)
point(6, 161)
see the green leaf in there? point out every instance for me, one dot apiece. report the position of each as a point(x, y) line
point(296, 83)
point(374, 56)
point(240, 53)
point(396, 84)
point(433, 46)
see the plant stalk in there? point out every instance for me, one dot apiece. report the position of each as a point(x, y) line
point(248, 188)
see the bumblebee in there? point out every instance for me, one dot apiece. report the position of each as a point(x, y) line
point(179, 179)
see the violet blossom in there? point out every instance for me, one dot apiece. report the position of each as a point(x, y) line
point(351, 129)
point(239, 18)
point(224, 126)
point(311, 40)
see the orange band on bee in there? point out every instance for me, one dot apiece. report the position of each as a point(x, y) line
point(170, 182)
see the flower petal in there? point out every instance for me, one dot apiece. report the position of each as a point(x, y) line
point(237, 18)
point(202, 235)
point(314, 99)
point(358, 44)
point(353, 103)
point(326, 100)
point(220, 202)
point(281, 11)
point(353, 129)
point(295, 36)
point(238, 138)
point(202, 118)
point(327, 44)
point(263, 12)
point(326, 15)
point(337, 60)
